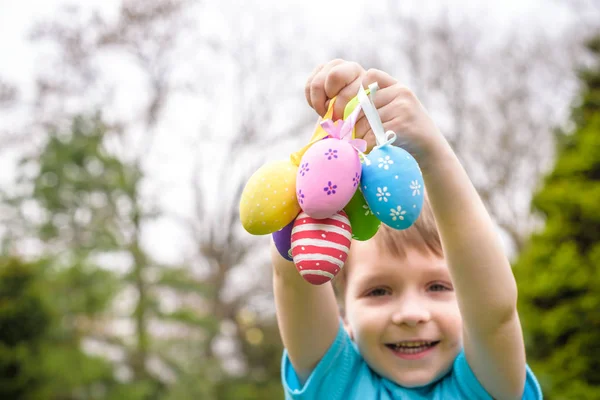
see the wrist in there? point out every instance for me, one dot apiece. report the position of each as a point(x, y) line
point(434, 154)
point(281, 266)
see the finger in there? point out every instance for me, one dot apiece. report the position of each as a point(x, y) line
point(382, 78)
point(343, 97)
point(343, 81)
point(389, 104)
point(390, 112)
point(392, 105)
point(362, 130)
point(362, 127)
point(327, 104)
point(341, 76)
point(396, 103)
point(395, 93)
point(309, 80)
point(371, 142)
point(318, 97)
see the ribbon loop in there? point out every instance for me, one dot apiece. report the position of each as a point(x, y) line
point(371, 113)
point(342, 130)
point(390, 137)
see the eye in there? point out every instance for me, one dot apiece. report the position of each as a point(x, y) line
point(438, 287)
point(377, 292)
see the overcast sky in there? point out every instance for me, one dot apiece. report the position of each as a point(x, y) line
point(18, 64)
point(16, 18)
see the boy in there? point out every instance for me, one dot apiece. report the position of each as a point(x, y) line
point(426, 316)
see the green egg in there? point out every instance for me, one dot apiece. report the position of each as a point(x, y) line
point(364, 223)
point(351, 106)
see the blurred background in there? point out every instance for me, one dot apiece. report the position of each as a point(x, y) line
point(129, 128)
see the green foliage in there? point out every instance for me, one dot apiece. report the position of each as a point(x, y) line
point(23, 316)
point(85, 191)
point(90, 289)
point(73, 374)
point(24, 323)
point(247, 389)
point(263, 357)
point(558, 272)
point(40, 352)
point(88, 207)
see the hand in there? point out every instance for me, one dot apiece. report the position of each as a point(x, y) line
point(400, 111)
point(336, 78)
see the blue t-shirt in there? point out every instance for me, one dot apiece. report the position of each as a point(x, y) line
point(342, 374)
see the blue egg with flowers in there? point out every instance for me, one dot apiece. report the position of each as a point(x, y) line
point(392, 185)
point(391, 180)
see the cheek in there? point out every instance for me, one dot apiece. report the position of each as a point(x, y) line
point(450, 320)
point(367, 323)
point(361, 321)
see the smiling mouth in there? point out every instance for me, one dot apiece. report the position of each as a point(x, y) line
point(411, 347)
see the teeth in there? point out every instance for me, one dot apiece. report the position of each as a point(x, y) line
point(411, 350)
point(413, 344)
point(409, 347)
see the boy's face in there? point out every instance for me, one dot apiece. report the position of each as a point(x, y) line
point(402, 313)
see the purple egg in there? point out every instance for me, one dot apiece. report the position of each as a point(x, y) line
point(283, 240)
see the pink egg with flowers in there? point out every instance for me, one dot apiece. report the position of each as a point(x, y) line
point(320, 246)
point(328, 176)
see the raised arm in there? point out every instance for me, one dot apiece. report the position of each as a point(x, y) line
point(307, 315)
point(482, 277)
point(485, 286)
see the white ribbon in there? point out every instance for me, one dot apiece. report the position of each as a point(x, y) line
point(373, 87)
point(381, 136)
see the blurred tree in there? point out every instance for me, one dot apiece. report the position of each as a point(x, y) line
point(68, 202)
point(40, 350)
point(9, 96)
point(90, 202)
point(82, 308)
point(558, 270)
point(8, 93)
point(234, 263)
point(225, 62)
point(106, 202)
point(175, 301)
point(81, 206)
point(262, 347)
point(24, 324)
point(492, 95)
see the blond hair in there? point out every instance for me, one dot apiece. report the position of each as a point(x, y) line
point(422, 236)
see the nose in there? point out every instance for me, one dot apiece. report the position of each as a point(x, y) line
point(410, 311)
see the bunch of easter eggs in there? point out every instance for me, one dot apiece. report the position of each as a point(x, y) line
point(330, 192)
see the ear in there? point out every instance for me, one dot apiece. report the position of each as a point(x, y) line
point(348, 328)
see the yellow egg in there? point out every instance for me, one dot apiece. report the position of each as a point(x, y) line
point(269, 201)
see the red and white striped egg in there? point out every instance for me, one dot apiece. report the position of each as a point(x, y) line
point(320, 246)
